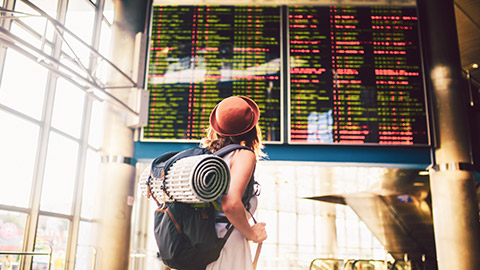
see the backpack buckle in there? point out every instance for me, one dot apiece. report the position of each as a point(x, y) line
point(162, 178)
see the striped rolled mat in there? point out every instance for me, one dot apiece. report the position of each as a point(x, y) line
point(194, 179)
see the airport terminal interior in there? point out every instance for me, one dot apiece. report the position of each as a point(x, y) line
point(370, 114)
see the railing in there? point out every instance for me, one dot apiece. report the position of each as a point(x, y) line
point(33, 253)
point(354, 264)
point(326, 264)
point(365, 264)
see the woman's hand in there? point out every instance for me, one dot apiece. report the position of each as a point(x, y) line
point(260, 232)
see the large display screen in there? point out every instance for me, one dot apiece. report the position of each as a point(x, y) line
point(356, 76)
point(339, 74)
point(202, 54)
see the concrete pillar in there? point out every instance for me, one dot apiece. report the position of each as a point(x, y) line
point(455, 207)
point(115, 194)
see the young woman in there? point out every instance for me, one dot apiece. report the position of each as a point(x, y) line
point(235, 121)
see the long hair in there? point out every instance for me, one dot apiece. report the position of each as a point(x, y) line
point(253, 139)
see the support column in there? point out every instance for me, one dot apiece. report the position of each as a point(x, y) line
point(115, 193)
point(455, 207)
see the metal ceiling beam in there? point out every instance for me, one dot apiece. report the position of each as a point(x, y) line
point(87, 82)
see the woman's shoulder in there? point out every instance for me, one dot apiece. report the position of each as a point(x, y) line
point(244, 155)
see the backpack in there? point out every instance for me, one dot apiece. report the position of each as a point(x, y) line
point(185, 233)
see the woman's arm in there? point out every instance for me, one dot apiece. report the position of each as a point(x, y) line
point(241, 169)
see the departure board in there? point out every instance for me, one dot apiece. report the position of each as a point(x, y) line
point(320, 74)
point(199, 55)
point(355, 76)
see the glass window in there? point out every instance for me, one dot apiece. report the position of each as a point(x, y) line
point(27, 36)
point(12, 226)
point(270, 218)
point(51, 233)
point(366, 239)
point(268, 257)
point(299, 229)
point(104, 49)
point(68, 108)
point(96, 124)
point(39, 24)
point(60, 171)
point(76, 58)
point(352, 234)
point(287, 257)
point(326, 235)
point(90, 183)
point(23, 92)
point(48, 6)
point(305, 206)
point(287, 225)
point(23, 84)
point(305, 178)
point(287, 196)
point(305, 256)
point(306, 230)
point(18, 141)
point(85, 251)
point(79, 20)
point(379, 251)
point(268, 195)
point(9, 261)
point(108, 11)
point(267, 176)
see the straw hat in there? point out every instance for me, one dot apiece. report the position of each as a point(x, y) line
point(234, 116)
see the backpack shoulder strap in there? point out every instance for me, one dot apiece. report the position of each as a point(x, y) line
point(246, 196)
point(230, 148)
point(249, 190)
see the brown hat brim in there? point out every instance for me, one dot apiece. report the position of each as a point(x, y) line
point(254, 120)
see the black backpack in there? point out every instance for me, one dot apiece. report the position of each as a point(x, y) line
point(185, 233)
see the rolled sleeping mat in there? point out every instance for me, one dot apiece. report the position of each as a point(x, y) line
point(155, 186)
point(194, 179)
